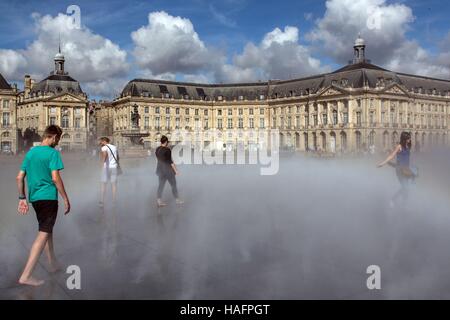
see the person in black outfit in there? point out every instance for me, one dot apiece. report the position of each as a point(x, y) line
point(166, 171)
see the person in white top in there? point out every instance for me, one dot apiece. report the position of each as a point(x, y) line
point(109, 157)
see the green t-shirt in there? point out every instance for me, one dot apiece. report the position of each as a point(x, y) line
point(38, 165)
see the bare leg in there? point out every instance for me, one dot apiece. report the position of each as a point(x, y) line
point(35, 252)
point(102, 191)
point(114, 191)
point(54, 265)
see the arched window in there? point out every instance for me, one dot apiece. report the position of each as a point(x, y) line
point(5, 134)
point(343, 141)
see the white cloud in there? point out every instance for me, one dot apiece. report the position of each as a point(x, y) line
point(170, 44)
point(91, 59)
point(278, 56)
point(383, 26)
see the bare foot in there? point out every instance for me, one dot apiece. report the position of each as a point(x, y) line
point(161, 204)
point(31, 282)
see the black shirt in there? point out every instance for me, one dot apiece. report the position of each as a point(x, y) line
point(164, 156)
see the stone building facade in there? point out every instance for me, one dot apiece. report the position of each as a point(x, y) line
point(8, 126)
point(58, 99)
point(350, 109)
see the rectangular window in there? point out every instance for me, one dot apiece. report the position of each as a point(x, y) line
point(261, 111)
point(230, 112)
point(53, 110)
point(196, 112)
point(5, 104)
point(261, 123)
point(315, 119)
point(230, 123)
point(250, 111)
point(77, 123)
point(206, 112)
point(177, 123)
point(187, 111)
point(157, 123)
point(371, 117)
point(5, 119)
point(146, 109)
point(358, 118)
point(167, 122)
point(345, 117)
point(324, 118)
point(146, 123)
point(167, 110)
point(241, 111)
point(219, 123)
point(52, 121)
point(219, 112)
point(297, 121)
point(157, 110)
point(65, 121)
point(241, 123)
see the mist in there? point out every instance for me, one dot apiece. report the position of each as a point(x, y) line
point(308, 232)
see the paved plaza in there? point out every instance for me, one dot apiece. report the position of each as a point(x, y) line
point(308, 232)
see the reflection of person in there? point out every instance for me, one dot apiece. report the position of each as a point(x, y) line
point(109, 158)
point(166, 171)
point(41, 166)
point(403, 170)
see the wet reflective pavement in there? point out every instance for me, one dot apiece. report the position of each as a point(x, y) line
point(309, 232)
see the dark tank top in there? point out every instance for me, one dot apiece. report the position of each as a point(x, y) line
point(403, 157)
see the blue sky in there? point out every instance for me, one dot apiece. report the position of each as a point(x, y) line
point(228, 26)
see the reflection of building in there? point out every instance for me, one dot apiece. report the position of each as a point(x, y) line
point(101, 116)
point(8, 128)
point(358, 105)
point(58, 99)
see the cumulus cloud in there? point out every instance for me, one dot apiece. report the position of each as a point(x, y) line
point(91, 59)
point(278, 56)
point(169, 44)
point(383, 26)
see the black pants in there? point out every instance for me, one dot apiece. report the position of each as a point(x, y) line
point(172, 181)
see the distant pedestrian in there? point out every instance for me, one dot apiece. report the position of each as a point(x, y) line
point(166, 171)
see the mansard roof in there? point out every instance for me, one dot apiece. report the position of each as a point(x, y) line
point(56, 84)
point(4, 84)
point(353, 76)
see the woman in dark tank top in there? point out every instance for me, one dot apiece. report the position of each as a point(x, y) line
point(404, 173)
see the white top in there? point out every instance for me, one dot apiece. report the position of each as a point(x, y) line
point(110, 162)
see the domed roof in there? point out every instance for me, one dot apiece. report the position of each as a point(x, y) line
point(359, 41)
point(59, 56)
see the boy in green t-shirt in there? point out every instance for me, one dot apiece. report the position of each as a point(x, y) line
point(41, 167)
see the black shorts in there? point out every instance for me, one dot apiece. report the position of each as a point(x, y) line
point(46, 212)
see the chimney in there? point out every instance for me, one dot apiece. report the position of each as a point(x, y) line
point(27, 84)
